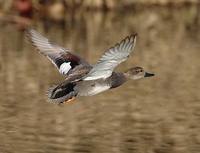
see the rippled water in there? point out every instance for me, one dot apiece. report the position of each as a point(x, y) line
point(156, 115)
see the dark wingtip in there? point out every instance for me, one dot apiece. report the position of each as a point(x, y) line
point(134, 35)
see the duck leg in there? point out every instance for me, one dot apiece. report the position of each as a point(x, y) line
point(72, 100)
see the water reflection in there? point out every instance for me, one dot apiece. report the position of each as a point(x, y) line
point(158, 115)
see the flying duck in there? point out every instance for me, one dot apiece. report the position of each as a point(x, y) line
point(81, 78)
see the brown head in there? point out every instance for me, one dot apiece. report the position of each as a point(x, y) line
point(137, 73)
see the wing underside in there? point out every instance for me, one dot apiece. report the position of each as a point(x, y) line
point(63, 60)
point(112, 58)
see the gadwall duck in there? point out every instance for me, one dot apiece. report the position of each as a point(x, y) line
point(81, 78)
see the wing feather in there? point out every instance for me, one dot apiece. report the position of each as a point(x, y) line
point(64, 60)
point(112, 58)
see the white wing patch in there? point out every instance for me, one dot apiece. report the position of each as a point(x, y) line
point(65, 67)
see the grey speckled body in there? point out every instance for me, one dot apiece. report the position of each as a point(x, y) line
point(93, 87)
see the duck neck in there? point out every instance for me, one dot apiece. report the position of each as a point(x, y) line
point(117, 79)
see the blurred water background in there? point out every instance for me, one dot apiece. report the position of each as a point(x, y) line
point(156, 115)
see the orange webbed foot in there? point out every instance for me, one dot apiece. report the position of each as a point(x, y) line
point(70, 101)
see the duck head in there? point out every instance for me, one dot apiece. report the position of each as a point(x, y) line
point(137, 73)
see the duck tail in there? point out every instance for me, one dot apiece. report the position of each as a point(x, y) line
point(61, 93)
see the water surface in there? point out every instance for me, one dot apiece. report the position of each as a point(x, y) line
point(156, 115)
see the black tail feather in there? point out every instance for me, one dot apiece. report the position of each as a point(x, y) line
point(60, 93)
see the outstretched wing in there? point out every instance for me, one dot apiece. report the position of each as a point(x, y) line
point(60, 57)
point(111, 58)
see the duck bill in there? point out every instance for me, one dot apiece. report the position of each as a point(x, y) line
point(148, 74)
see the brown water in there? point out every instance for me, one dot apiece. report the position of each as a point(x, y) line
point(156, 115)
